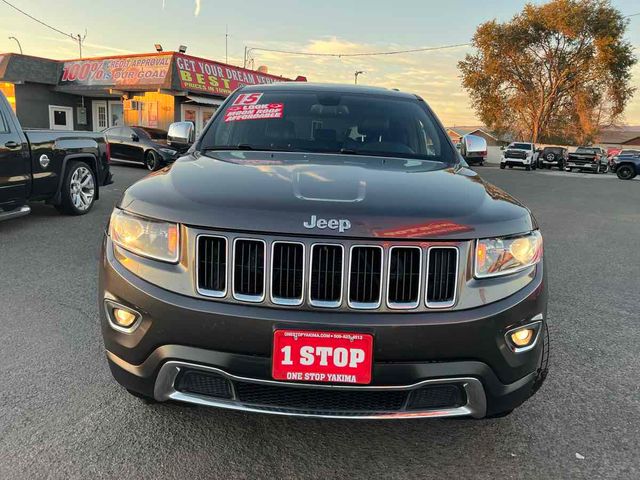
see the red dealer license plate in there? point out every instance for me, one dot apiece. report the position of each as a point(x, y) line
point(331, 357)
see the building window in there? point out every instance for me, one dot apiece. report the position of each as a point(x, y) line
point(60, 118)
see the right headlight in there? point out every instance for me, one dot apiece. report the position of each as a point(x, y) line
point(503, 256)
point(145, 236)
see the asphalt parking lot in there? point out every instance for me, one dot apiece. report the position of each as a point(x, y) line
point(62, 415)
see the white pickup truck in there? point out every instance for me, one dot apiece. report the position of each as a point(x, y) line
point(520, 154)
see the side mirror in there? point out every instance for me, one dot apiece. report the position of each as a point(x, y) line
point(135, 137)
point(502, 147)
point(472, 144)
point(181, 134)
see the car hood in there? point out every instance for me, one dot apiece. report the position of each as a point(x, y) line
point(280, 192)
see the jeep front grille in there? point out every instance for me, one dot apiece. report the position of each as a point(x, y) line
point(365, 277)
point(287, 273)
point(325, 282)
point(405, 274)
point(248, 270)
point(315, 275)
point(441, 281)
point(212, 265)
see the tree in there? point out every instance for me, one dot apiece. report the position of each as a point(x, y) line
point(558, 70)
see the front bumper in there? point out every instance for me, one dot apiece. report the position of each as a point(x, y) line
point(583, 166)
point(412, 352)
point(516, 162)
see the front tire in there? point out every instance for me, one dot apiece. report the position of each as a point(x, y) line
point(626, 172)
point(502, 166)
point(78, 189)
point(152, 161)
point(528, 168)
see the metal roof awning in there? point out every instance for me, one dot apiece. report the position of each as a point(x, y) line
point(205, 100)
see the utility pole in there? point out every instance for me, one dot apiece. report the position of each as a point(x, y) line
point(226, 44)
point(359, 72)
point(18, 42)
point(80, 39)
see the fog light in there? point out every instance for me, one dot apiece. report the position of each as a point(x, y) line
point(123, 318)
point(522, 337)
point(525, 337)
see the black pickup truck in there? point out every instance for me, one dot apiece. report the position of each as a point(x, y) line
point(588, 158)
point(65, 169)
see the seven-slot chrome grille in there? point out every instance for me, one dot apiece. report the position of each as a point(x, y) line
point(326, 275)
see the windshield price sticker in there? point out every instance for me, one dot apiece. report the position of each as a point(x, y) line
point(247, 99)
point(254, 112)
point(327, 357)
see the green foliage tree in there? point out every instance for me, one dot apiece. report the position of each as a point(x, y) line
point(561, 70)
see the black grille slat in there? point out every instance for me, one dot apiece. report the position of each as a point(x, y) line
point(321, 400)
point(204, 383)
point(288, 271)
point(365, 275)
point(442, 275)
point(212, 264)
point(249, 268)
point(326, 274)
point(404, 276)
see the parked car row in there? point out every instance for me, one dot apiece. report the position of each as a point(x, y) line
point(625, 163)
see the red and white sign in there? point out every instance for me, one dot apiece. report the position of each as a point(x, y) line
point(247, 99)
point(325, 357)
point(261, 111)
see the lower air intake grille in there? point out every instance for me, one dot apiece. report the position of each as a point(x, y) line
point(320, 399)
point(437, 396)
point(441, 281)
point(287, 273)
point(248, 273)
point(212, 265)
point(404, 277)
point(365, 276)
point(326, 275)
point(201, 383)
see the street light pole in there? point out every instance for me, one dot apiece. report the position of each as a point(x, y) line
point(18, 42)
point(359, 72)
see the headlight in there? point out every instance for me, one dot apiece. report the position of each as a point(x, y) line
point(502, 256)
point(143, 236)
point(168, 151)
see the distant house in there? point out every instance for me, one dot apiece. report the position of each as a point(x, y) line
point(619, 137)
point(456, 134)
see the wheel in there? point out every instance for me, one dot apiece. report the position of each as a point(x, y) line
point(502, 166)
point(140, 396)
point(528, 168)
point(152, 161)
point(78, 189)
point(625, 172)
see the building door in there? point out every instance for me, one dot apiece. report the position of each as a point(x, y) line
point(116, 113)
point(197, 115)
point(100, 115)
point(60, 118)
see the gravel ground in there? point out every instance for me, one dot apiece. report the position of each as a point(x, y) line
point(62, 415)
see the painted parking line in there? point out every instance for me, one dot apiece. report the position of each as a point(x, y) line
point(592, 176)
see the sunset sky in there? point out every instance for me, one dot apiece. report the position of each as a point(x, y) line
point(133, 26)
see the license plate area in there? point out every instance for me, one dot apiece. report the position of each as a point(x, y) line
point(322, 357)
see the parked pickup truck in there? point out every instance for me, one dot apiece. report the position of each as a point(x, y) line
point(65, 169)
point(588, 158)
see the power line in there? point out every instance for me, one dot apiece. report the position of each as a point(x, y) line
point(363, 54)
point(39, 21)
point(77, 38)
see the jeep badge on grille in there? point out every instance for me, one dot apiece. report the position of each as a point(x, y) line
point(341, 225)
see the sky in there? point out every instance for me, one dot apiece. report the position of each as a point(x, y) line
point(340, 26)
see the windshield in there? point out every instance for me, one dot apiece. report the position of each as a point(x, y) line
point(329, 122)
point(587, 150)
point(153, 133)
point(521, 146)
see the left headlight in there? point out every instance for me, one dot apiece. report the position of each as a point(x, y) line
point(168, 151)
point(146, 237)
point(503, 256)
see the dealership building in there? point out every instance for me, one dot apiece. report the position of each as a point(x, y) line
point(151, 90)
